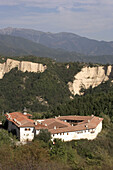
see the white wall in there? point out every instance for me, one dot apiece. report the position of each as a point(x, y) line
point(26, 135)
point(67, 136)
point(85, 134)
point(37, 132)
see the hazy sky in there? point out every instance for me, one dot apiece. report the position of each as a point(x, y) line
point(89, 18)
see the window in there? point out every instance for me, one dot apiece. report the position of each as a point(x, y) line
point(27, 129)
point(80, 132)
point(92, 131)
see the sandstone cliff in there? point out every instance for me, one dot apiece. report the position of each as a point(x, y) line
point(21, 65)
point(89, 76)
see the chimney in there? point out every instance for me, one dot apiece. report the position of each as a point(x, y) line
point(86, 126)
point(54, 127)
point(36, 122)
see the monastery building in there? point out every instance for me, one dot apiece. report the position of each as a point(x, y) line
point(66, 128)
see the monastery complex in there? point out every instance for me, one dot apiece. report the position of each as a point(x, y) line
point(66, 128)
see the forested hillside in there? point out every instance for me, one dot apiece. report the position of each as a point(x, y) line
point(94, 101)
point(48, 92)
point(38, 92)
point(47, 95)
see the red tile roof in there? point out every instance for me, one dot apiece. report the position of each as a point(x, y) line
point(20, 120)
point(91, 124)
point(40, 126)
point(51, 123)
point(55, 125)
point(83, 118)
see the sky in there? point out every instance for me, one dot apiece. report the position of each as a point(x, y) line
point(88, 18)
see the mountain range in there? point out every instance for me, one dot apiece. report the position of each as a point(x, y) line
point(17, 46)
point(59, 46)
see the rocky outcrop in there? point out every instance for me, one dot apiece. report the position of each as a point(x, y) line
point(89, 76)
point(21, 65)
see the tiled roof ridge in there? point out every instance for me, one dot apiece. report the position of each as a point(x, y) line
point(74, 117)
point(62, 122)
point(53, 120)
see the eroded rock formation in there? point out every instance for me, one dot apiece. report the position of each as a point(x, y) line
point(89, 76)
point(21, 65)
